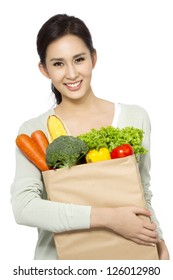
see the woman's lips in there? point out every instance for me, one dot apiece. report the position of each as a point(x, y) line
point(73, 86)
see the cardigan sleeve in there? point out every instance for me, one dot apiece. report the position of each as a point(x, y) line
point(144, 168)
point(29, 202)
point(136, 116)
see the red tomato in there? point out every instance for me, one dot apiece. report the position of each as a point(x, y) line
point(122, 151)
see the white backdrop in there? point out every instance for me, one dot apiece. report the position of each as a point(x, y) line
point(134, 43)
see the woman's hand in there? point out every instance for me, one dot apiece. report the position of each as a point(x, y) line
point(162, 250)
point(126, 222)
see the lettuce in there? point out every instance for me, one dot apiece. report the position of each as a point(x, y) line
point(112, 137)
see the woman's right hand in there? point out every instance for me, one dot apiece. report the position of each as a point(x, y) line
point(126, 222)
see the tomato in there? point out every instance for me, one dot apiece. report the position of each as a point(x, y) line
point(122, 151)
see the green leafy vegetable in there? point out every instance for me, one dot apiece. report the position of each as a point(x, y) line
point(112, 137)
point(65, 151)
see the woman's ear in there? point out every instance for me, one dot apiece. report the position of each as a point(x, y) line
point(43, 70)
point(94, 58)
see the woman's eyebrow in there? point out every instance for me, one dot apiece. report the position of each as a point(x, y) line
point(56, 59)
point(80, 54)
point(61, 59)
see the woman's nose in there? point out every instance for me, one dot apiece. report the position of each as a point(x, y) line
point(71, 72)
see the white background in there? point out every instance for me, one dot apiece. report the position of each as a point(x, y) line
point(134, 42)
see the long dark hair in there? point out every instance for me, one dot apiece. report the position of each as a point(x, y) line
point(56, 27)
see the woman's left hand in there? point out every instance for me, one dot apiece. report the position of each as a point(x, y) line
point(162, 250)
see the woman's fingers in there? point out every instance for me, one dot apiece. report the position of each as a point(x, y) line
point(127, 222)
point(147, 237)
point(149, 225)
point(150, 232)
point(142, 242)
point(141, 211)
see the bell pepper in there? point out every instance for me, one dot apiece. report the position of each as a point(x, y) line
point(94, 155)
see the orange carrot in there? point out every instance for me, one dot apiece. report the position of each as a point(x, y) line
point(41, 140)
point(30, 149)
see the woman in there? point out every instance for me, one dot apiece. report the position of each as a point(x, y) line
point(67, 58)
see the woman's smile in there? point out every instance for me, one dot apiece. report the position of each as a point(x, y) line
point(74, 86)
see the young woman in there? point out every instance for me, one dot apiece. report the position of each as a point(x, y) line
point(67, 58)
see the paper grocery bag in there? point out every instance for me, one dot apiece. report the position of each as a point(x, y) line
point(110, 183)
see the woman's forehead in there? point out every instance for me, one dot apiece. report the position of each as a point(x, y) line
point(67, 45)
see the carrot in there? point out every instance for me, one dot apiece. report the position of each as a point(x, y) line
point(41, 140)
point(30, 149)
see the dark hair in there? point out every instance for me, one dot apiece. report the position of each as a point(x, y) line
point(56, 27)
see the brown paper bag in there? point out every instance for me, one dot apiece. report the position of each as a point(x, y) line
point(110, 183)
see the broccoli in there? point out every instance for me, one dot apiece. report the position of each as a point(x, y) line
point(65, 151)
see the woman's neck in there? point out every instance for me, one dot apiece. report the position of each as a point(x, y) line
point(68, 107)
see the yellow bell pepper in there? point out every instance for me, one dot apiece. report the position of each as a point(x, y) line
point(94, 155)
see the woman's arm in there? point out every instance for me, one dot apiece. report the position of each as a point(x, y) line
point(126, 222)
point(162, 250)
point(29, 200)
point(144, 167)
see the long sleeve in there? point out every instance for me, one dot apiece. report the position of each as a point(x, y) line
point(144, 168)
point(136, 116)
point(29, 201)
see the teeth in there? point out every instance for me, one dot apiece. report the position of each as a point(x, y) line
point(73, 85)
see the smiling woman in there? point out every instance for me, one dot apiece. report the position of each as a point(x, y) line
point(69, 68)
point(67, 58)
point(56, 29)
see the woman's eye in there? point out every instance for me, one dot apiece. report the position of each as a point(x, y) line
point(80, 59)
point(58, 64)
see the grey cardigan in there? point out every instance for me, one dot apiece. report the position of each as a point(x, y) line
point(29, 200)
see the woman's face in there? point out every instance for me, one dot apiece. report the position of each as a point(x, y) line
point(69, 66)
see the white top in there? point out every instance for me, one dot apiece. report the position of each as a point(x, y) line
point(116, 114)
